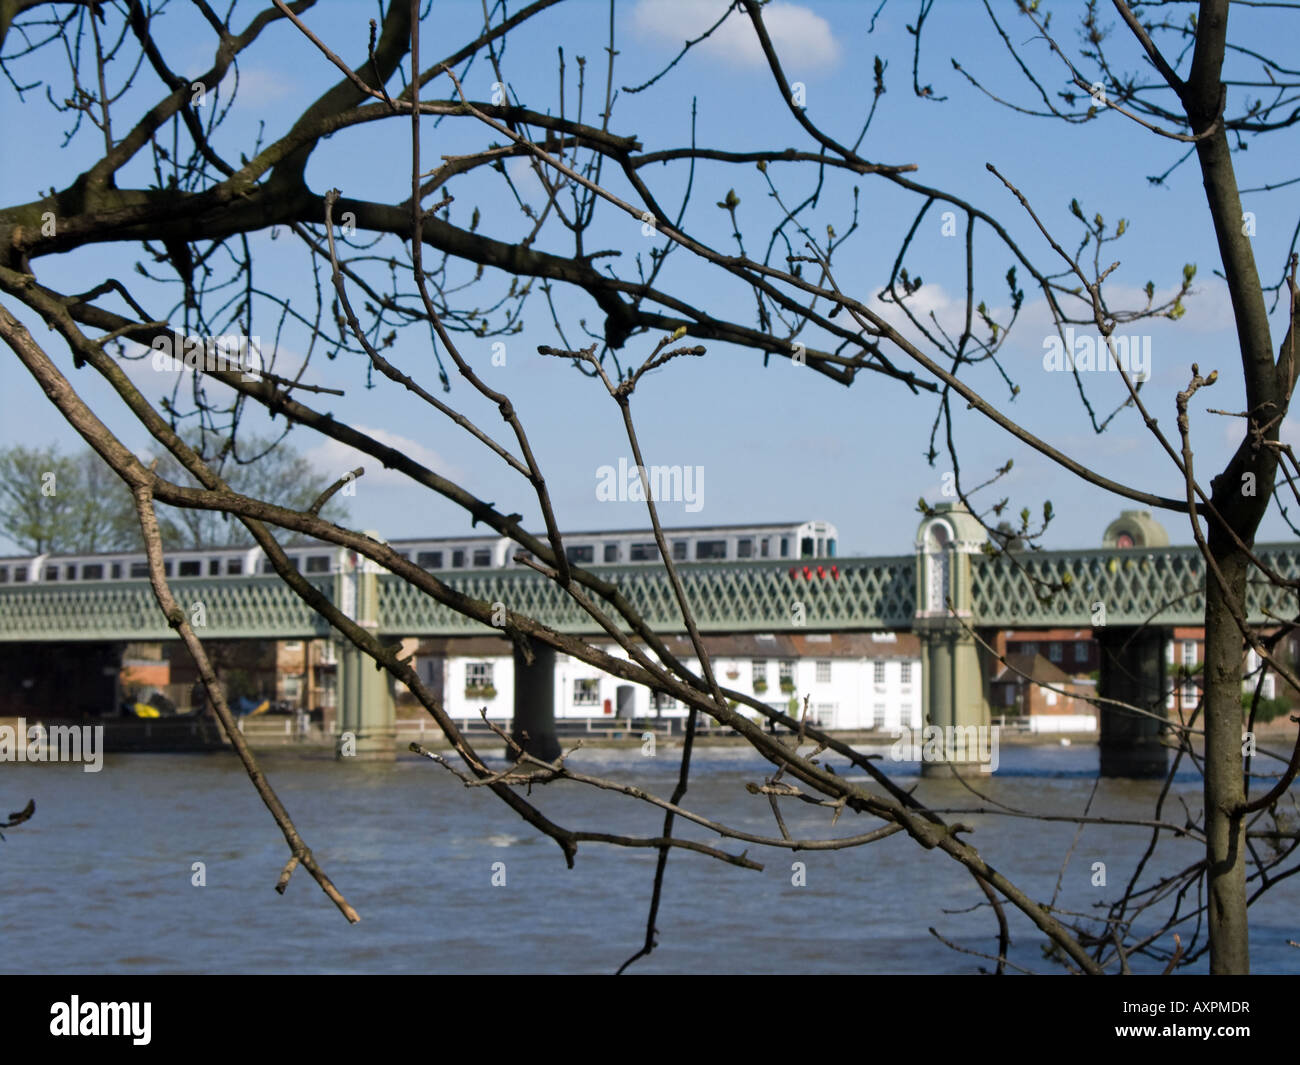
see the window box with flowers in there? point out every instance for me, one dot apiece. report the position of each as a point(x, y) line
point(787, 684)
point(481, 691)
point(760, 685)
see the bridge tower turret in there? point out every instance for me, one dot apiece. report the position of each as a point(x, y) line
point(955, 690)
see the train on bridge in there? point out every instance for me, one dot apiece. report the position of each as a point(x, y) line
point(707, 543)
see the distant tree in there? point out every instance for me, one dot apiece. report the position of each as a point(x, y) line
point(74, 504)
point(257, 466)
point(64, 503)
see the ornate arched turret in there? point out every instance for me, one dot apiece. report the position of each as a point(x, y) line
point(944, 543)
point(1135, 528)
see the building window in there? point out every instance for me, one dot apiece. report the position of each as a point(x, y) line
point(644, 552)
point(292, 645)
point(905, 673)
point(877, 716)
point(709, 549)
point(611, 552)
point(1050, 698)
point(759, 667)
point(429, 559)
point(660, 702)
point(823, 672)
point(586, 692)
point(744, 548)
point(1189, 694)
point(478, 675)
point(785, 676)
point(190, 567)
point(318, 563)
point(291, 688)
point(1054, 651)
point(1080, 651)
point(679, 550)
point(1029, 648)
point(1189, 653)
point(878, 671)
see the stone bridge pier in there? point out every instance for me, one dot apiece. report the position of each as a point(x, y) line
point(956, 685)
point(367, 717)
point(1132, 671)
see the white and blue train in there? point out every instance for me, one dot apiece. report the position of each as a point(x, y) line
point(712, 543)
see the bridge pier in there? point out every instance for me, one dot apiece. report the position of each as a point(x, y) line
point(956, 694)
point(533, 727)
point(1133, 671)
point(367, 717)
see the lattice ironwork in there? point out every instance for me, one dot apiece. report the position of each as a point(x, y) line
point(233, 607)
point(1134, 587)
point(868, 593)
point(1165, 585)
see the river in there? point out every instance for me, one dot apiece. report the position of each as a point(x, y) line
point(101, 879)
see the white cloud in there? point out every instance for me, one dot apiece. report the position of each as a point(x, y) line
point(801, 37)
point(335, 458)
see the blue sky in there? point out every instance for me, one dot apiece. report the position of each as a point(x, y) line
point(776, 443)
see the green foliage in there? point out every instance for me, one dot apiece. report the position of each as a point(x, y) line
point(1267, 710)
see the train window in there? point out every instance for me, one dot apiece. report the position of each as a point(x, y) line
point(266, 566)
point(483, 556)
point(830, 547)
point(744, 548)
point(294, 562)
point(51, 573)
point(581, 553)
point(70, 571)
point(611, 552)
point(405, 556)
point(763, 546)
point(785, 547)
point(679, 550)
point(806, 547)
point(643, 552)
point(458, 558)
point(93, 572)
point(429, 559)
point(4, 574)
point(234, 566)
point(710, 549)
point(20, 575)
point(167, 567)
point(190, 567)
point(139, 569)
point(318, 563)
point(115, 573)
point(214, 567)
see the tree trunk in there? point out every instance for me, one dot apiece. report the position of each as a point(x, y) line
point(1225, 836)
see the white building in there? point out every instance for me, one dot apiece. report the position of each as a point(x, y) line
point(851, 680)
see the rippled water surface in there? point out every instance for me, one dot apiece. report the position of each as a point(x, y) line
point(100, 879)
